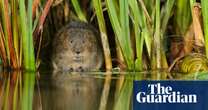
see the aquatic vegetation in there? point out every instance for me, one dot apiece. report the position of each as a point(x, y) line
point(140, 30)
point(20, 27)
point(134, 36)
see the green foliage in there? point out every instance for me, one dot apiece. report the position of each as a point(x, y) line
point(205, 17)
point(17, 31)
point(139, 27)
point(139, 36)
point(101, 22)
point(121, 28)
point(183, 15)
point(27, 37)
point(78, 10)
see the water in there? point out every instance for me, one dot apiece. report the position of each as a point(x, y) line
point(70, 91)
point(63, 91)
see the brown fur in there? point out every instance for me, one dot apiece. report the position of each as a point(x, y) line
point(77, 48)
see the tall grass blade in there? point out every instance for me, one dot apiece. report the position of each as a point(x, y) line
point(205, 20)
point(5, 33)
point(34, 6)
point(166, 14)
point(139, 38)
point(8, 34)
point(78, 10)
point(125, 39)
point(15, 30)
point(30, 35)
point(101, 22)
point(192, 2)
point(114, 18)
point(3, 53)
point(38, 27)
point(156, 56)
point(145, 26)
point(27, 37)
point(183, 16)
point(121, 29)
point(41, 19)
point(150, 6)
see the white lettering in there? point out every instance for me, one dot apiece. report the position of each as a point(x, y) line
point(140, 97)
point(162, 94)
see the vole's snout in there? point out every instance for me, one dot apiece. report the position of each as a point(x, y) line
point(77, 52)
point(78, 48)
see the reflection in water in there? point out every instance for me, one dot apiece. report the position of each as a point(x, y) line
point(65, 91)
point(16, 90)
point(70, 91)
point(79, 91)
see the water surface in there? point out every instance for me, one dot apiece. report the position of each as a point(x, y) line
point(71, 91)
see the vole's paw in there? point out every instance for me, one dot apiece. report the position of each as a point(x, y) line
point(80, 69)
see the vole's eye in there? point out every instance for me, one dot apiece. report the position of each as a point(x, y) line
point(83, 41)
point(71, 41)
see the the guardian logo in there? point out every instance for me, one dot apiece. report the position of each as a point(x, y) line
point(164, 94)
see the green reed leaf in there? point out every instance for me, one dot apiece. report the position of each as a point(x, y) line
point(121, 29)
point(101, 22)
point(78, 10)
point(27, 37)
point(205, 22)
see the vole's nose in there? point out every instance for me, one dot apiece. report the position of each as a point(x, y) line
point(77, 52)
point(78, 48)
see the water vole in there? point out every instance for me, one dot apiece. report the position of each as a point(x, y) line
point(77, 47)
